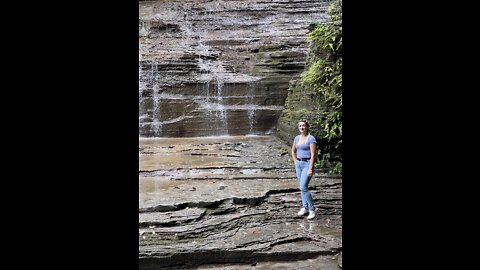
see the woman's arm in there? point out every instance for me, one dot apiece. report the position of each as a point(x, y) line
point(313, 147)
point(294, 153)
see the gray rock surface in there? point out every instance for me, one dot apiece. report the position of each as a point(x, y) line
point(231, 203)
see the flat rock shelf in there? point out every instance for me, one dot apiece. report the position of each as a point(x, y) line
point(230, 203)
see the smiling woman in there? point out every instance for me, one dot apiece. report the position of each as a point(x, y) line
point(303, 153)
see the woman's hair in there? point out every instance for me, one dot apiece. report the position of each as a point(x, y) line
point(304, 121)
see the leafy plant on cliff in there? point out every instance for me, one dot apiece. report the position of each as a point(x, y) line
point(324, 75)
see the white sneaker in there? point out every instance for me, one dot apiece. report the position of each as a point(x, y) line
point(302, 212)
point(311, 214)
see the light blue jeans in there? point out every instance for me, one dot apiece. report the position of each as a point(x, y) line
point(301, 168)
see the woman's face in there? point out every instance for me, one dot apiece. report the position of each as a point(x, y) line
point(302, 127)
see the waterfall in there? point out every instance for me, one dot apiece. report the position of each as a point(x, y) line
point(142, 93)
point(149, 96)
point(212, 74)
point(212, 68)
point(250, 107)
point(221, 113)
point(156, 124)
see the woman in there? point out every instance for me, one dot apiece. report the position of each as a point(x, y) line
point(303, 153)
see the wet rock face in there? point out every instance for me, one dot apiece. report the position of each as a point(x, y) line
point(209, 202)
point(219, 67)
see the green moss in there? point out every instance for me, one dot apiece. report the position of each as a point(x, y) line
point(317, 96)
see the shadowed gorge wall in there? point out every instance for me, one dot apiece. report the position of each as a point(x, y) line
point(298, 105)
point(212, 68)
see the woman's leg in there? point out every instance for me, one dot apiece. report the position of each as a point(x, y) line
point(307, 199)
point(299, 171)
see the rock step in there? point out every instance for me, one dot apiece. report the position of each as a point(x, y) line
point(201, 257)
point(246, 214)
point(269, 231)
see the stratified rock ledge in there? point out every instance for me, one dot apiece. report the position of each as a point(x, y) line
point(227, 202)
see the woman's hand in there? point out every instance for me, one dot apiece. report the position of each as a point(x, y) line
point(310, 172)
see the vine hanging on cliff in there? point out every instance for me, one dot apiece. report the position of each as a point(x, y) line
point(324, 75)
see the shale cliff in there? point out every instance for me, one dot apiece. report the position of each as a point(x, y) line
point(212, 68)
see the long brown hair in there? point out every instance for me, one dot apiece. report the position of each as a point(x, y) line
point(306, 123)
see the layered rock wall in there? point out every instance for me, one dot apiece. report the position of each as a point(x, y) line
point(212, 68)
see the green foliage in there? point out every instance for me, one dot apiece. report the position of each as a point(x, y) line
point(324, 75)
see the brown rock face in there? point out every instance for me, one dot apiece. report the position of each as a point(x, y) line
point(212, 68)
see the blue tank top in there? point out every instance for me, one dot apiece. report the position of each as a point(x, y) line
point(303, 149)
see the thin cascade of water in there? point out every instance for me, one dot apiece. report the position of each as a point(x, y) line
point(156, 123)
point(141, 84)
point(221, 112)
point(211, 71)
point(143, 32)
point(206, 94)
point(251, 110)
point(143, 117)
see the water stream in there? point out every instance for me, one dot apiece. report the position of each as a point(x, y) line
point(207, 59)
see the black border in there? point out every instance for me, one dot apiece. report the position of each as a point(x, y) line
point(71, 184)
